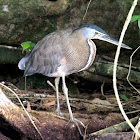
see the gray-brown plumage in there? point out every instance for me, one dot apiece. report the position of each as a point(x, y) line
point(65, 52)
point(49, 54)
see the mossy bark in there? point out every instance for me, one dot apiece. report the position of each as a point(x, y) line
point(103, 72)
point(32, 20)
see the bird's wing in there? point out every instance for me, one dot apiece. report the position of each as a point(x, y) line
point(46, 56)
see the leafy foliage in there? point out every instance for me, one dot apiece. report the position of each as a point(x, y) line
point(136, 18)
point(124, 97)
point(27, 46)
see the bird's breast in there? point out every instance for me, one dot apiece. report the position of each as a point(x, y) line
point(92, 54)
point(79, 55)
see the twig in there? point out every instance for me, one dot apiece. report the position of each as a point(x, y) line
point(137, 127)
point(51, 85)
point(10, 47)
point(85, 133)
point(86, 10)
point(102, 89)
point(131, 112)
point(23, 109)
point(25, 83)
point(115, 66)
point(130, 71)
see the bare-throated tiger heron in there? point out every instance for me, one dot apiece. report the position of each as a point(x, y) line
point(64, 52)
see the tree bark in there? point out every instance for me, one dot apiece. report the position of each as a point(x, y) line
point(112, 136)
point(31, 20)
point(16, 125)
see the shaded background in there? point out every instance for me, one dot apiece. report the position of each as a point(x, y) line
point(31, 20)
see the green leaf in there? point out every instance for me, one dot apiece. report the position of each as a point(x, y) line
point(124, 97)
point(28, 45)
point(139, 23)
point(135, 18)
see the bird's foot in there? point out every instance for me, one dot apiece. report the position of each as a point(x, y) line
point(59, 113)
point(78, 123)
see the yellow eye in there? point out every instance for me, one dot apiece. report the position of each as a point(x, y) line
point(96, 33)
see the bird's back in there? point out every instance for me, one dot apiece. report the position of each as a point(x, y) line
point(64, 51)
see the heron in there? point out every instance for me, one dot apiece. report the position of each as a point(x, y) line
point(64, 52)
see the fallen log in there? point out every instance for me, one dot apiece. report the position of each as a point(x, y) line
point(112, 136)
point(16, 125)
point(103, 72)
point(121, 127)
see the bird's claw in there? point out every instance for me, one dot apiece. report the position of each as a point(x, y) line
point(77, 122)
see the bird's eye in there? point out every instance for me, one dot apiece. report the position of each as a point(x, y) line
point(99, 33)
point(96, 33)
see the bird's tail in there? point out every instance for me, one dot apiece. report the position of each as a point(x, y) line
point(22, 62)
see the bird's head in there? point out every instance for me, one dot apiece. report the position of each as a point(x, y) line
point(95, 32)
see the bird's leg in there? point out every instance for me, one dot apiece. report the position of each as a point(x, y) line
point(65, 90)
point(58, 112)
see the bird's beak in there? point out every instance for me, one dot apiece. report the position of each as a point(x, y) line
point(107, 38)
